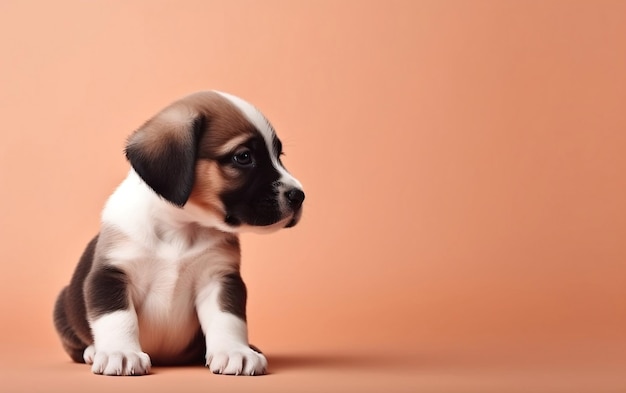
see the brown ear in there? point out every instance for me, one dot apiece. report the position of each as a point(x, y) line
point(163, 152)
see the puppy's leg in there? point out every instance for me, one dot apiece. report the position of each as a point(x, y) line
point(71, 341)
point(221, 307)
point(70, 315)
point(114, 324)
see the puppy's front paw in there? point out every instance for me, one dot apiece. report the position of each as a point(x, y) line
point(236, 360)
point(121, 363)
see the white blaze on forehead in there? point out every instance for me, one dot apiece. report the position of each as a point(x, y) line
point(254, 116)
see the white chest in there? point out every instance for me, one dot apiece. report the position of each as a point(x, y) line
point(163, 295)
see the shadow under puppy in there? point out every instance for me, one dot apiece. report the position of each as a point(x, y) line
point(160, 283)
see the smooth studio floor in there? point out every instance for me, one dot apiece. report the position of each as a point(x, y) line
point(340, 370)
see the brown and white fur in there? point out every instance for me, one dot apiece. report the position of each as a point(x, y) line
point(160, 284)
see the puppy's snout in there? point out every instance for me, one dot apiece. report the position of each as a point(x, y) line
point(295, 197)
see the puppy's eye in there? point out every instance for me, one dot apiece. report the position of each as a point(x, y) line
point(243, 158)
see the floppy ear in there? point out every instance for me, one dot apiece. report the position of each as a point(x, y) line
point(163, 152)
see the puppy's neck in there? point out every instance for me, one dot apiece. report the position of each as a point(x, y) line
point(141, 213)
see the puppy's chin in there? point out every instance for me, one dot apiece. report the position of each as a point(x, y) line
point(286, 222)
point(295, 219)
point(232, 224)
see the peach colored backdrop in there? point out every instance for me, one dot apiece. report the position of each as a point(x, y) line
point(464, 162)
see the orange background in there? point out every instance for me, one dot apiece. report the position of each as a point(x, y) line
point(465, 170)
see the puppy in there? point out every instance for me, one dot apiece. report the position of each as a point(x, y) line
point(160, 283)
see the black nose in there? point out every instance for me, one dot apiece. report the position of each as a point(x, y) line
point(295, 197)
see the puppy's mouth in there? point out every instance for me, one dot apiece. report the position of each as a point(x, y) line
point(295, 218)
point(263, 226)
point(288, 221)
point(232, 220)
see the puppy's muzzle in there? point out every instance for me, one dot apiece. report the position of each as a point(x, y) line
point(294, 197)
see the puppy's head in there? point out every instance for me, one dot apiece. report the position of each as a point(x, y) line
point(217, 156)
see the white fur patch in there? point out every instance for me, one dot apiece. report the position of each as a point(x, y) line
point(89, 354)
point(116, 345)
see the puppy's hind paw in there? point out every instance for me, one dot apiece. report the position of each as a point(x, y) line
point(89, 354)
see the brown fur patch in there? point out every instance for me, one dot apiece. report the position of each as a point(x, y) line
point(233, 295)
point(224, 122)
point(208, 185)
